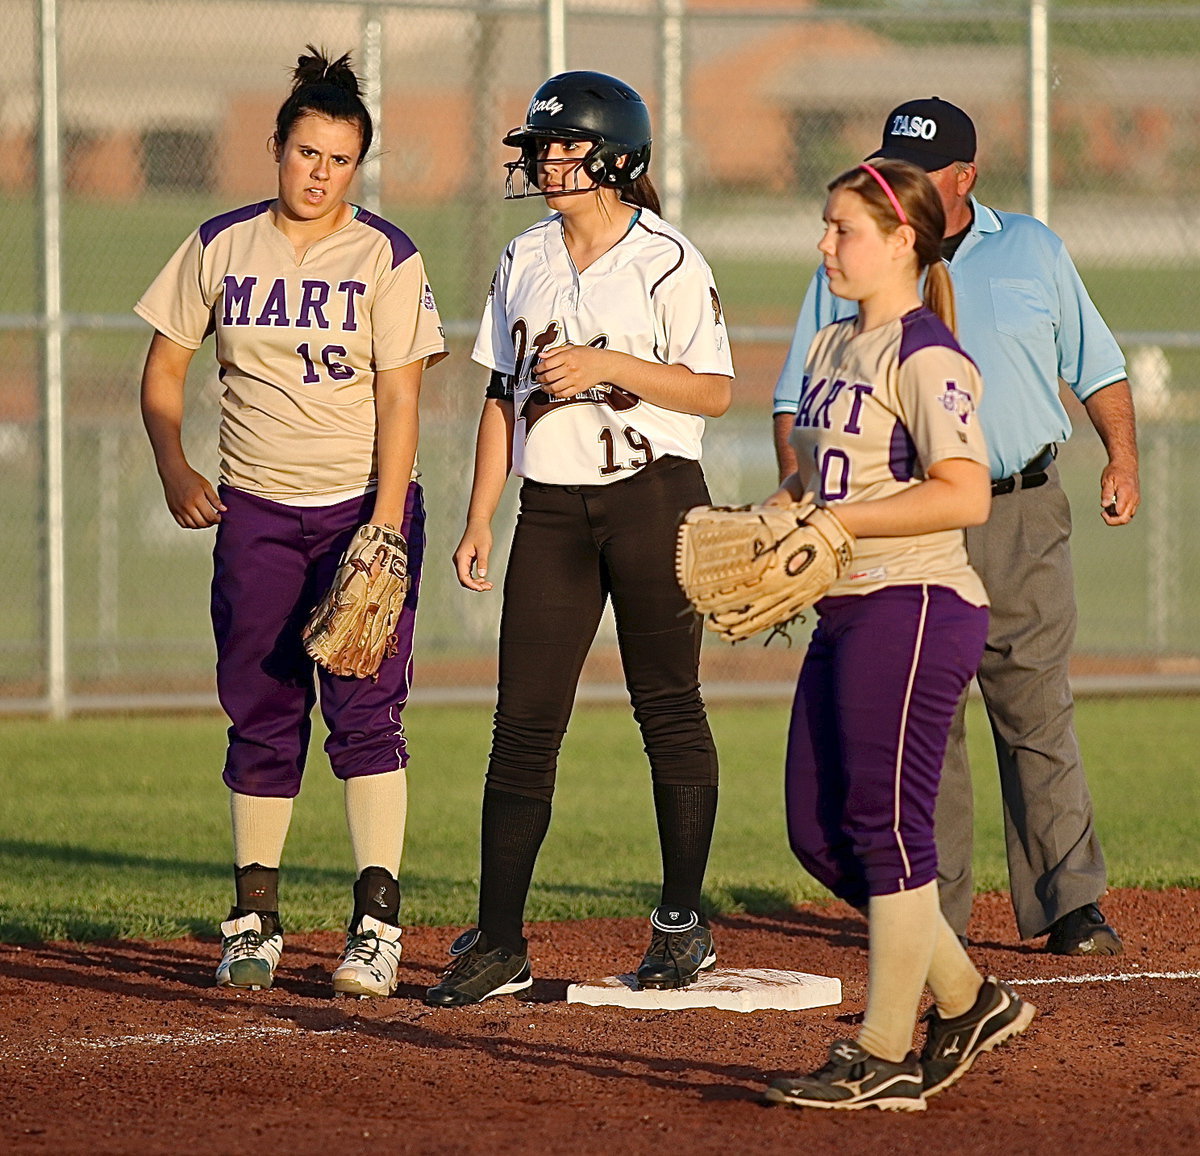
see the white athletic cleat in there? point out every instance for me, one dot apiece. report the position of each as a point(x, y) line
point(248, 958)
point(371, 962)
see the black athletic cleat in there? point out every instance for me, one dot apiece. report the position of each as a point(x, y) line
point(951, 1046)
point(478, 974)
point(1083, 932)
point(680, 949)
point(853, 1078)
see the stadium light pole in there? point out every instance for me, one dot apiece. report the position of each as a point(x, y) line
point(50, 195)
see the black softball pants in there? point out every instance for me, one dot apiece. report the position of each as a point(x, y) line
point(574, 547)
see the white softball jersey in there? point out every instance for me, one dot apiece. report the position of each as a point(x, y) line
point(877, 409)
point(298, 343)
point(651, 295)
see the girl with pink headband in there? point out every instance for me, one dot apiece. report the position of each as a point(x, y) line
point(887, 440)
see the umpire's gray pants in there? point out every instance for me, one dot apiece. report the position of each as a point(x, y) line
point(1055, 864)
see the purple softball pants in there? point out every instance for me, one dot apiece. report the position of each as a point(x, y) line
point(873, 707)
point(271, 564)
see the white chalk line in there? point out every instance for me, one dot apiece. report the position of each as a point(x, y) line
point(190, 1038)
point(1112, 977)
point(185, 1038)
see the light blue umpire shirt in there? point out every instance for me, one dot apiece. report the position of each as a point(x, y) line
point(1025, 319)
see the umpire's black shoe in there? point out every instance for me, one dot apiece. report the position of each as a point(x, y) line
point(680, 949)
point(478, 974)
point(1083, 931)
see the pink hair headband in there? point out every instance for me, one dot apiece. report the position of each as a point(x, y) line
point(887, 190)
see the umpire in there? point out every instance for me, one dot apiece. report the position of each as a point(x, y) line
point(1026, 319)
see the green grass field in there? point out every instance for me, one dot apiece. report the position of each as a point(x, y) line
point(118, 827)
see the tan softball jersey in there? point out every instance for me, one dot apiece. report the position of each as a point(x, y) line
point(298, 343)
point(651, 295)
point(877, 409)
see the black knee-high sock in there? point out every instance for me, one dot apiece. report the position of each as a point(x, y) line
point(685, 826)
point(513, 829)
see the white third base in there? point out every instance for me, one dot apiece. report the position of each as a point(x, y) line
point(748, 989)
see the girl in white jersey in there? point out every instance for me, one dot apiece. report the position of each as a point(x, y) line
point(324, 322)
point(604, 335)
point(887, 438)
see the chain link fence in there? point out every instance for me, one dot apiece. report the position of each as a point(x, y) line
point(125, 124)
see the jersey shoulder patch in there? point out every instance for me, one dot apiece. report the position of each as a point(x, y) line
point(398, 239)
point(215, 226)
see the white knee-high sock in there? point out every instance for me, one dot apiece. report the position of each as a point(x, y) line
point(260, 826)
point(902, 928)
point(953, 978)
point(376, 810)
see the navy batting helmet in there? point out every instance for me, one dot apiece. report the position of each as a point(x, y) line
point(584, 106)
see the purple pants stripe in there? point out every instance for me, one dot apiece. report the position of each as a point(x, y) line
point(873, 707)
point(271, 565)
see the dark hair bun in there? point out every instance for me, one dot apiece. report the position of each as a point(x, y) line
point(325, 89)
point(317, 69)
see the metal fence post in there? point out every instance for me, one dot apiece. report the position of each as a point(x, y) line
point(372, 75)
point(482, 195)
point(50, 196)
point(671, 89)
point(1039, 111)
point(556, 37)
point(1150, 378)
point(108, 545)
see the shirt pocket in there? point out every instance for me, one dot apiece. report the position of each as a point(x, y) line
point(1019, 307)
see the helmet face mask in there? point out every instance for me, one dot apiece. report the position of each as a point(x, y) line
point(588, 106)
point(522, 179)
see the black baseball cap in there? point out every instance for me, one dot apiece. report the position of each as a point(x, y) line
point(930, 133)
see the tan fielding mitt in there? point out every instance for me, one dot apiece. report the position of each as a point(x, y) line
point(353, 628)
point(752, 568)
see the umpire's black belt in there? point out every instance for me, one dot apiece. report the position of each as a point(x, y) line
point(1032, 475)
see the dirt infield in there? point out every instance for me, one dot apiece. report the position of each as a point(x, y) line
point(126, 1047)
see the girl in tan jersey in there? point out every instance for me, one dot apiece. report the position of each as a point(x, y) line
point(323, 323)
point(887, 438)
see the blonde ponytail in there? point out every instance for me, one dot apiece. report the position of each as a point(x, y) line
point(939, 294)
